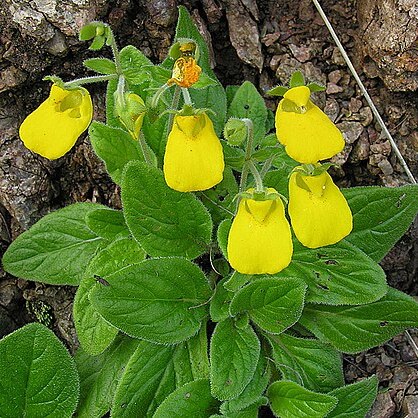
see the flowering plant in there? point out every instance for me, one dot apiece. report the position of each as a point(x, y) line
point(197, 299)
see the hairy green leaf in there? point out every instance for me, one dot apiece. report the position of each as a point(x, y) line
point(165, 222)
point(115, 147)
point(234, 354)
point(219, 304)
point(381, 216)
point(355, 400)
point(94, 333)
point(135, 65)
point(38, 377)
point(99, 376)
point(159, 300)
point(57, 249)
point(107, 223)
point(309, 362)
point(193, 400)
point(101, 65)
point(289, 400)
point(352, 329)
point(274, 304)
point(337, 274)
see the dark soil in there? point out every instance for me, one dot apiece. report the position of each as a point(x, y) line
point(291, 36)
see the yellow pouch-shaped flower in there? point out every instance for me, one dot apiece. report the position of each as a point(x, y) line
point(307, 133)
point(53, 128)
point(260, 241)
point(319, 213)
point(193, 157)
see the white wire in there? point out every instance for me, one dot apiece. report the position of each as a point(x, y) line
point(365, 93)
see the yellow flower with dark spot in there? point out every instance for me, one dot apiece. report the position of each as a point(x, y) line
point(53, 128)
point(260, 241)
point(319, 212)
point(307, 133)
point(193, 157)
point(186, 72)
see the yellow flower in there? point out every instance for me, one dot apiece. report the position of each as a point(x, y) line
point(319, 213)
point(260, 241)
point(186, 72)
point(307, 133)
point(193, 157)
point(53, 128)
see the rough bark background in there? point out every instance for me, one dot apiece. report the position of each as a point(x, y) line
point(262, 41)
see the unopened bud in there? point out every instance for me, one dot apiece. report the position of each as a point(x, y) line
point(235, 132)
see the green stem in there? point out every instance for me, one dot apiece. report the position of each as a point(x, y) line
point(157, 95)
point(258, 180)
point(174, 106)
point(88, 80)
point(115, 51)
point(186, 96)
point(248, 152)
point(144, 149)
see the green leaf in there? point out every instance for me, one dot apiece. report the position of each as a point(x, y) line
point(234, 157)
point(147, 380)
point(212, 97)
point(273, 304)
point(354, 401)
point(165, 222)
point(222, 235)
point(198, 354)
point(252, 391)
point(234, 354)
point(297, 79)
point(107, 223)
point(98, 43)
point(248, 103)
point(309, 362)
point(99, 376)
point(381, 216)
point(219, 304)
point(100, 65)
point(111, 118)
point(56, 249)
point(94, 333)
point(352, 329)
point(205, 81)
point(314, 87)
point(141, 297)
point(135, 65)
point(339, 274)
point(38, 377)
point(278, 91)
point(192, 400)
point(115, 147)
point(289, 400)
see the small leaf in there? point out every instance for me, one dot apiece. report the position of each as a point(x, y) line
point(234, 354)
point(339, 274)
point(313, 87)
point(204, 81)
point(99, 376)
point(57, 249)
point(107, 223)
point(141, 297)
point(222, 235)
point(289, 400)
point(297, 79)
point(248, 103)
point(192, 400)
point(165, 222)
point(100, 65)
point(381, 216)
point(309, 362)
point(115, 147)
point(352, 329)
point(278, 91)
point(135, 65)
point(98, 43)
point(38, 376)
point(94, 333)
point(252, 391)
point(273, 304)
point(234, 157)
point(355, 400)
